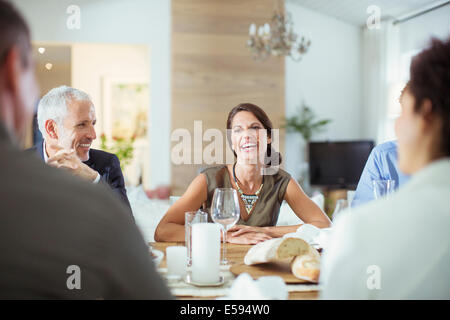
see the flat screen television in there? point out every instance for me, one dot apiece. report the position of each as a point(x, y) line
point(338, 164)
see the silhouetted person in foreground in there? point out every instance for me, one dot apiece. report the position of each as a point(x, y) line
point(60, 237)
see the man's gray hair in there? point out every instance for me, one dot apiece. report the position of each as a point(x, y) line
point(54, 104)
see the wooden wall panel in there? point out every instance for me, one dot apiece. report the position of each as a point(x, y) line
point(212, 70)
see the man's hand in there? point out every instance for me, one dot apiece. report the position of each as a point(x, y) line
point(240, 234)
point(67, 159)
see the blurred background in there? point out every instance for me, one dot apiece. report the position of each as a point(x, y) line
point(152, 67)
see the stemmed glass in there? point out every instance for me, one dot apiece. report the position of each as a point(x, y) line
point(225, 211)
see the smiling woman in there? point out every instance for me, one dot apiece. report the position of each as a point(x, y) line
point(256, 175)
point(262, 126)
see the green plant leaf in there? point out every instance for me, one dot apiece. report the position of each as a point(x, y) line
point(304, 123)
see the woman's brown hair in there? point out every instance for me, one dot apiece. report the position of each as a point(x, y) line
point(271, 153)
point(430, 79)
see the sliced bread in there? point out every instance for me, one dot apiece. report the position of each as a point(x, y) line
point(307, 266)
point(276, 250)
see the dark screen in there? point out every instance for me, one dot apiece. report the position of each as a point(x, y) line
point(338, 164)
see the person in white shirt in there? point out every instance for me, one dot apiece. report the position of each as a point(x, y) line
point(399, 247)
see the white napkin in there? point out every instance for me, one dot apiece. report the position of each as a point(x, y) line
point(265, 288)
point(322, 240)
point(316, 237)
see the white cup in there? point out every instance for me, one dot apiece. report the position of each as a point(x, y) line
point(176, 260)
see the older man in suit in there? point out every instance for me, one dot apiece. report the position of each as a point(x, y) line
point(66, 119)
point(60, 237)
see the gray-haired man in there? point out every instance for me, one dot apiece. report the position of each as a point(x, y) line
point(66, 119)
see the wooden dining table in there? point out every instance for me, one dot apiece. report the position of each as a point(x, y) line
point(235, 254)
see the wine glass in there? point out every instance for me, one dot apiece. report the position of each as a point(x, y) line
point(225, 211)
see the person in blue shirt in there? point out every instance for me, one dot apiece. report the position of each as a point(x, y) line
point(381, 165)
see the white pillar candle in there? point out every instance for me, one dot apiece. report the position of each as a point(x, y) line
point(176, 260)
point(205, 253)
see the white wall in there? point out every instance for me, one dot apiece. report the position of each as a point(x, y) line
point(328, 79)
point(94, 63)
point(387, 54)
point(416, 33)
point(117, 21)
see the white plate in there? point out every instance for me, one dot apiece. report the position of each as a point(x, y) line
point(157, 256)
point(188, 280)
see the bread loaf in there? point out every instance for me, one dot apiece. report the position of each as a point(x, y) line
point(276, 250)
point(304, 259)
point(307, 266)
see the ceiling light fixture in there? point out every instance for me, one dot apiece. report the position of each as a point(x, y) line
point(277, 38)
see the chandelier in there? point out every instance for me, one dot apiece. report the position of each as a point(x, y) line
point(277, 38)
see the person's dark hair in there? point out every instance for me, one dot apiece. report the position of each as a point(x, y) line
point(13, 31)
point(430, 79)
point(259, 113)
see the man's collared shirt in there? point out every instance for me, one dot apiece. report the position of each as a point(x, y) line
point(381, 165)
point(44, 151)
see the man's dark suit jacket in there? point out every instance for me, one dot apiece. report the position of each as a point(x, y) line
point(53, 227)
point(106, 164)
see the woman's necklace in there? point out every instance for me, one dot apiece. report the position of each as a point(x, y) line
point(248, 199)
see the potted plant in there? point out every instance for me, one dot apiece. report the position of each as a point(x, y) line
point(122, 147)
point(305, 123)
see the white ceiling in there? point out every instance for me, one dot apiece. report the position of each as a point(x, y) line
point(354, 11)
